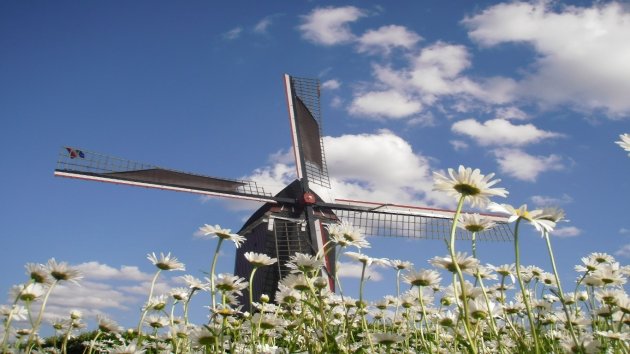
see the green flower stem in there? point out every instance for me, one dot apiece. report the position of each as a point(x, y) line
point(361, 304)
point(7, 324)
point(451, 248)
point(186, 304)
point(503, 288)
point(564, 306)
point(397, 292)
point(517, 257)
point(474, 245)
point(145, 310)
point(493, 324)
point(212, 268)
point(93, 341)
point(38, 322)
point(251, 290)
point(424, 319)
point(336, 277)
point(66, 338)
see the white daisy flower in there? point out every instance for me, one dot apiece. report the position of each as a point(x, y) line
point(225, 234)
point(536, 218)
point(422, 277)
point(62, 271)
point(126, 349)
point(624, 142)
point(387, 339)
point(466, 264)
point(165, 262)
point(474, 222)
point(345, 234)
point(470, 184)
point(38, 273)
point(28, 292)
point(302, 262)
point(259, 259)
point(229, 283)
point(366, 259)
point(107, 325)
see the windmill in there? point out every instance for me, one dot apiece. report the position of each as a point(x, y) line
point(295, 219)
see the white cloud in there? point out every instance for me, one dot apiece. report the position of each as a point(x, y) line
point(624, 251)
point(458, 145)
point(336, 102)
point(501, 132)
point(96, 270)
point(353, 270)
point(582, 52)
point(435, 72)
point(384, 104)
point(233, 33)
point(567, 231)
point(624, 231)
point(378, 167)
point(329, 25)
point(423, 120)
point(544, 200)
point(102, 289)
point(386, 38)
point(263, 25)
point(331, 84)
point(520, 165)
point(511, 113)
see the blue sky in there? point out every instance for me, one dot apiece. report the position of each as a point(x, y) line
point(535, 92)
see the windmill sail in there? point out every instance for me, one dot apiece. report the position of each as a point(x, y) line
point(97, 167)
point(392, 220)
point(310, 139)
point(303, 99)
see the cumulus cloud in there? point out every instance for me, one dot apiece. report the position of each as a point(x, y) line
point(435, 72)
point(336, 102)
point(384, 104)
point(386, 38)
point(582, 52)
point(353, 270)
point(380, 167)
point(330, 25)
point(426, 119)
point(331, 84)
point(103, 288)
point(96, 270)
point(545, 200)
point(263, 25)
point(501, 132)
point(526, 167)
point(624, 251)
point(511, 113)
point(458, 145)
point(233, 33)
point(624, 231)
point(567, 231)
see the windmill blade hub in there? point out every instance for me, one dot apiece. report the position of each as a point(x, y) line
point(309, 198)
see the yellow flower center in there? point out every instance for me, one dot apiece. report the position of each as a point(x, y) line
point(474, 228)
point(466, 189)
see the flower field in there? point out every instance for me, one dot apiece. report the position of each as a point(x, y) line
point(457, 304)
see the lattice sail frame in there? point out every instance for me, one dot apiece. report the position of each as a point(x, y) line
point(84, 164)
point(308, 91)
point(383, 224)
